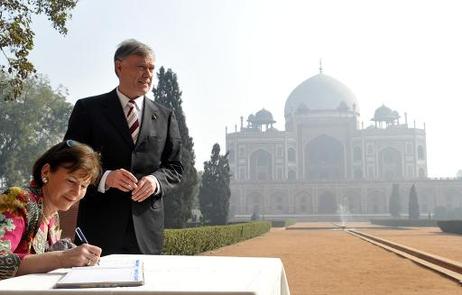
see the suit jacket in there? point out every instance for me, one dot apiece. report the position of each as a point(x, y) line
point(100, 122)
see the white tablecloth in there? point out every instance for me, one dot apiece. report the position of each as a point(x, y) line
point(176, 275)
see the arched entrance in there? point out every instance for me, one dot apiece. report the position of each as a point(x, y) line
point(324, 159)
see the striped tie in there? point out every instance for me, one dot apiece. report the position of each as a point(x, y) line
point(132, 119)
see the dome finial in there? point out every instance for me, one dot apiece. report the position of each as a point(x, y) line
point(320, 65)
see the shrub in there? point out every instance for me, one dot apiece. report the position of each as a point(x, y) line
point(191, 241)
point(282, 223)
point(451, 226)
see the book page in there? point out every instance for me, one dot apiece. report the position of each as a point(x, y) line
point(108, 274)
point(100, 275)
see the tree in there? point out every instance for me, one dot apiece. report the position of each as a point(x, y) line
point(29, 126)
point(17, 37)
point(414, 212)
point(395, 203)
point(178, 203)
point(214, 192)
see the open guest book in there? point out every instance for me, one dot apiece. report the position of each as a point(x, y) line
point(116, 273)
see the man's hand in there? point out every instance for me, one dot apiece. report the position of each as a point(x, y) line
point(121, 179)
point(146, 187)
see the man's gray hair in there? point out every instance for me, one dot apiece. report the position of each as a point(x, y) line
point(132, 47)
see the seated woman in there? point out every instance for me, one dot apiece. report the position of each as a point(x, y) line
point(29, 221)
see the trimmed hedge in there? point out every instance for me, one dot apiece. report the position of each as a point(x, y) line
point(404, 222)
point(451, 226)
point(191, 241)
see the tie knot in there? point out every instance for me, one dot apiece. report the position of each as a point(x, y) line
point(131, 101)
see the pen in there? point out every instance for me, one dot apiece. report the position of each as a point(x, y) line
point(82, 238)
point(80, 235)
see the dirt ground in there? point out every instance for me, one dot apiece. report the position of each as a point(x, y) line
point(327, 261)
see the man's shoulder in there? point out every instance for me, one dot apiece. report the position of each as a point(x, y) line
point(159, 107)
point(97, 98)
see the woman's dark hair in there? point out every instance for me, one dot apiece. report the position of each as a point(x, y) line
point(71, 155)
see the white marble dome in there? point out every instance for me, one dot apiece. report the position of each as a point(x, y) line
point(320, 92)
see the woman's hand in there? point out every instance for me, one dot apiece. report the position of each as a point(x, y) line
point(83, 255)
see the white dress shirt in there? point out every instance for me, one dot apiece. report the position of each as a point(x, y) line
point(139, 105)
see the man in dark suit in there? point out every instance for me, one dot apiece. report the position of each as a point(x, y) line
point(140, 148)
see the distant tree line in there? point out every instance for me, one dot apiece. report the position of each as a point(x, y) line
point(395, 203)
point(439, 213)
point(32, 123)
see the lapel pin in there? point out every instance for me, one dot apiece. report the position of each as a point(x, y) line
point(154, 116)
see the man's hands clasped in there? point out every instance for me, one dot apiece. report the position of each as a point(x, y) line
point(121, 179)
point(125, 181)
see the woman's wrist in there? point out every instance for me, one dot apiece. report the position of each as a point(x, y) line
point(60, 258)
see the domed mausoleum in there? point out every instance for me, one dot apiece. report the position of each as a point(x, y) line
point(320, 92)
point(326, 159)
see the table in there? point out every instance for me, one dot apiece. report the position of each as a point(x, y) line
point(175, 275)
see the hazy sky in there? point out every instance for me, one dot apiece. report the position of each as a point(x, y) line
point(236, 57)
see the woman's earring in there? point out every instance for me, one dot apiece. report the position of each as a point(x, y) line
point(44, 179)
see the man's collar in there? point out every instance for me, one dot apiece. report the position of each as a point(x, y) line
point(124, 99)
